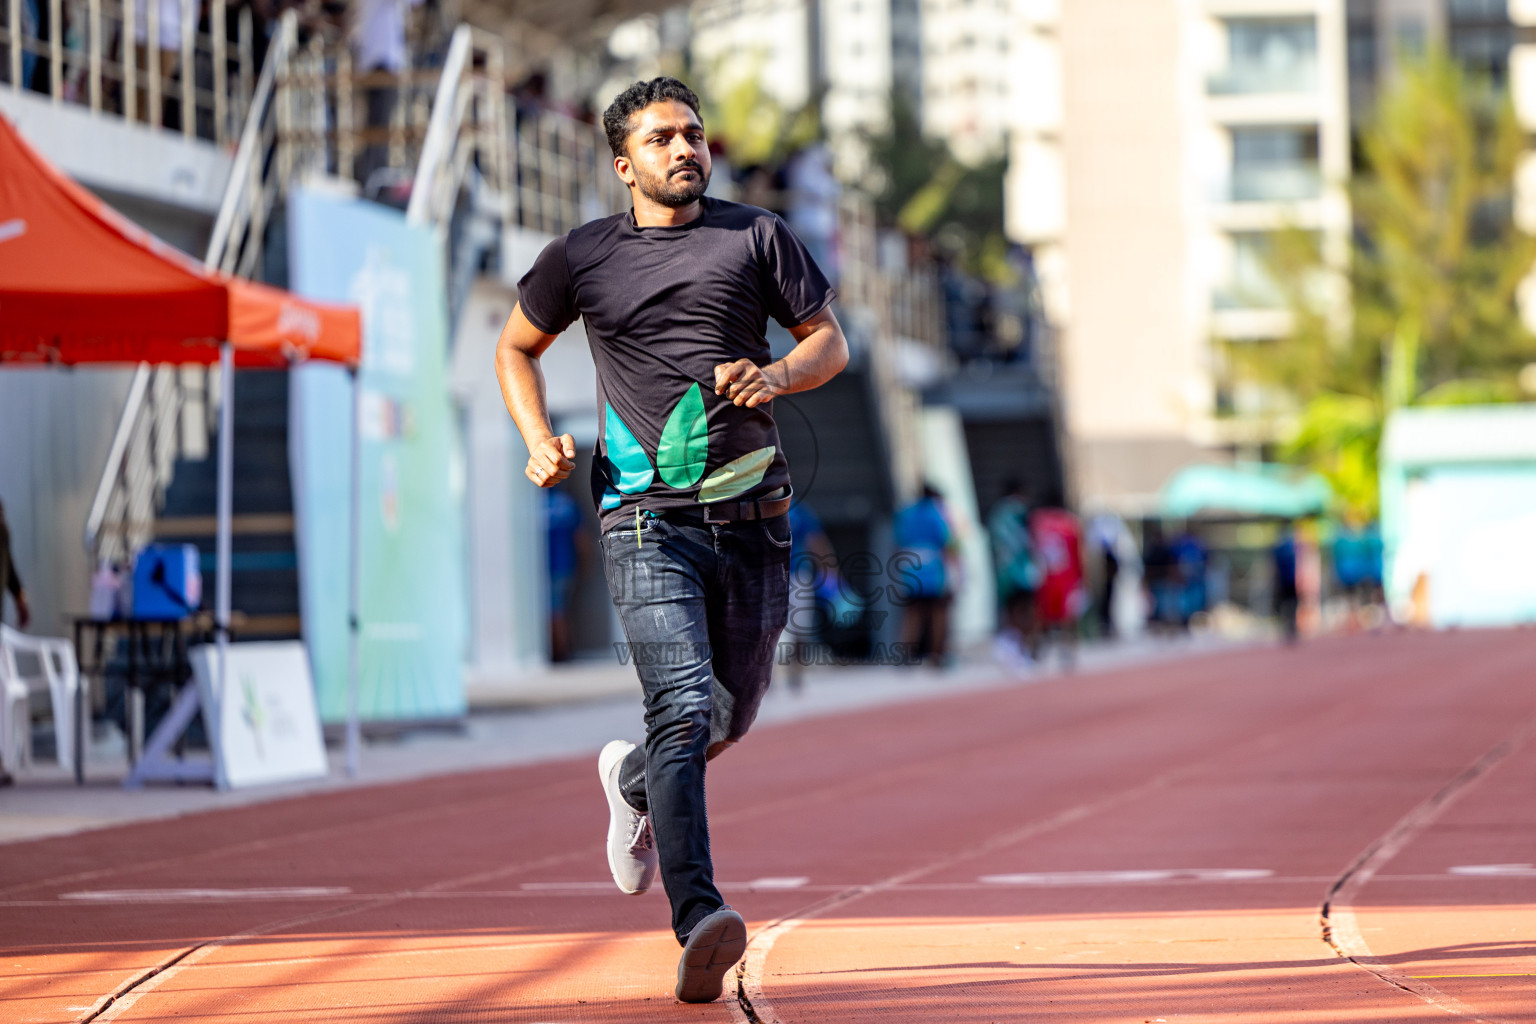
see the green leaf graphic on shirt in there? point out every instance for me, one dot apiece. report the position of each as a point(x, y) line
point(631, 470)
point(611, 498)
point(684, 442)
point(737, 476)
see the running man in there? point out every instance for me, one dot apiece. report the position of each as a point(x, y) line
point(689, 479)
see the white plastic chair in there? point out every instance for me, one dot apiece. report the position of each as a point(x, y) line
point(58, 673)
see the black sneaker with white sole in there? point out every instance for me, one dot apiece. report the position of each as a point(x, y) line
point(712, 949)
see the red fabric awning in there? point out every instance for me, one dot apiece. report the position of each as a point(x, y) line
point(80, 283)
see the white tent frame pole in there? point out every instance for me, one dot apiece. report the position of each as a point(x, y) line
point(226, 503)
point(354, 728)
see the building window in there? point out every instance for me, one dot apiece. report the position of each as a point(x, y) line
point(1481, 36)
point(1277, 55)
point(1275, 164)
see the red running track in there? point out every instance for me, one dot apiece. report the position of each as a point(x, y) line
point(1155, 844)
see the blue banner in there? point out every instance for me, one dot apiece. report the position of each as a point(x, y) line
point(413, 615)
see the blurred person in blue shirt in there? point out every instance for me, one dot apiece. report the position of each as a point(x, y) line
point(1287, 596)
point(567, 554)
point(813, 591)
point(1357, 567)
point(924, 538)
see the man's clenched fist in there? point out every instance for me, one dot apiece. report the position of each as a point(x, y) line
point(746, 383)
point(549, 462)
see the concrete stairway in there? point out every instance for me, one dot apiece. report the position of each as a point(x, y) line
point(264, 577)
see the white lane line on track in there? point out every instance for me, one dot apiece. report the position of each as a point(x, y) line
point(1073, 878)
point(532, 889)
point(112, 1005)
point(192, 895)
point(1341, 929)
point(752, 1005)
point(1495, 870)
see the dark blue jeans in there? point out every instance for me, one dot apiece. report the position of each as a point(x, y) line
point(702, 607)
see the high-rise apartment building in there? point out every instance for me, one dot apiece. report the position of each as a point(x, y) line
point(1156, 147)
point(966, 49)
point(1478, 34)
point(851, 55)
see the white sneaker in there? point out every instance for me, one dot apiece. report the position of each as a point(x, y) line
point(631, 845)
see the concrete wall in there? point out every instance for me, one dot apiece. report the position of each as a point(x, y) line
point(55, 428)
point(1131, 363)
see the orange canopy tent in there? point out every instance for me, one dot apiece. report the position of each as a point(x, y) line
point(80, 283)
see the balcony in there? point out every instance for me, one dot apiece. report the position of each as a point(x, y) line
point(1259, 80)
point(1276, 183)
point(1268, 55)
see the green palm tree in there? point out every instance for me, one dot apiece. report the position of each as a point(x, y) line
point(1424, 309)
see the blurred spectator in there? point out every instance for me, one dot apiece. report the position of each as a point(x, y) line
point(1162, 578)
point(1121, 607)
point(167, 40)
point(1062, 599)
point(1287, 595)
point(378, 44)
point(812, 204)
point(1357, 567)
point(10, 580)
point(1189, 566)
point(763, 187)
point(567, 556)
point(32, 27)
point(1018, 576)
point(531, 95)
point(1104, 540)
point(923, 533)
point(813, 586)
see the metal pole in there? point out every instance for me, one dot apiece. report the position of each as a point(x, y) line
point(354, 625)
point(245, 57)
point(226, 503)
point(13, 23)
point(95, 18)
point(219, 45)
point(152, 59)
point(188, 98)
point(56, 49)
point(346, 143)
point(130, 62)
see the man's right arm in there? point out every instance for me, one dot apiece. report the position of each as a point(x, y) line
point(550, 458)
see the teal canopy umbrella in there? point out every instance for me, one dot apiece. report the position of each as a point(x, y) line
point(1255, 490)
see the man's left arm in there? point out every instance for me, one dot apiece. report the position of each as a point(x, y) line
point(820, 353)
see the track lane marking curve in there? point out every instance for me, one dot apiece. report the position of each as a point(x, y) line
point(1341, 928)
point(752, 1005)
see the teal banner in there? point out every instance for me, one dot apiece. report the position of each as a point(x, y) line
point(413, 614)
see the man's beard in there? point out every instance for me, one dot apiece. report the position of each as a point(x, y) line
point(669, 192)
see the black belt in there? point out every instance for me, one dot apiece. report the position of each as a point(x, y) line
point(738, 511)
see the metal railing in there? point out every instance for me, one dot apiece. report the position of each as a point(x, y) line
point(468, 125)
point(170, 410)
point(97, 53)
point(888, 305)
point(564, 173)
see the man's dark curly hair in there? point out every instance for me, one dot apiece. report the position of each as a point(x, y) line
point(618, 119)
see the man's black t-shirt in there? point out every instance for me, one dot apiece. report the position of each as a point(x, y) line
point(663, 307)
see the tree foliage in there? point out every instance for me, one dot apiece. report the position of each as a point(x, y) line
point(922, 188)
point(1422, 308)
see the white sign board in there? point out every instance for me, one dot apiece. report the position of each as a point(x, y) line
point(264, 727)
